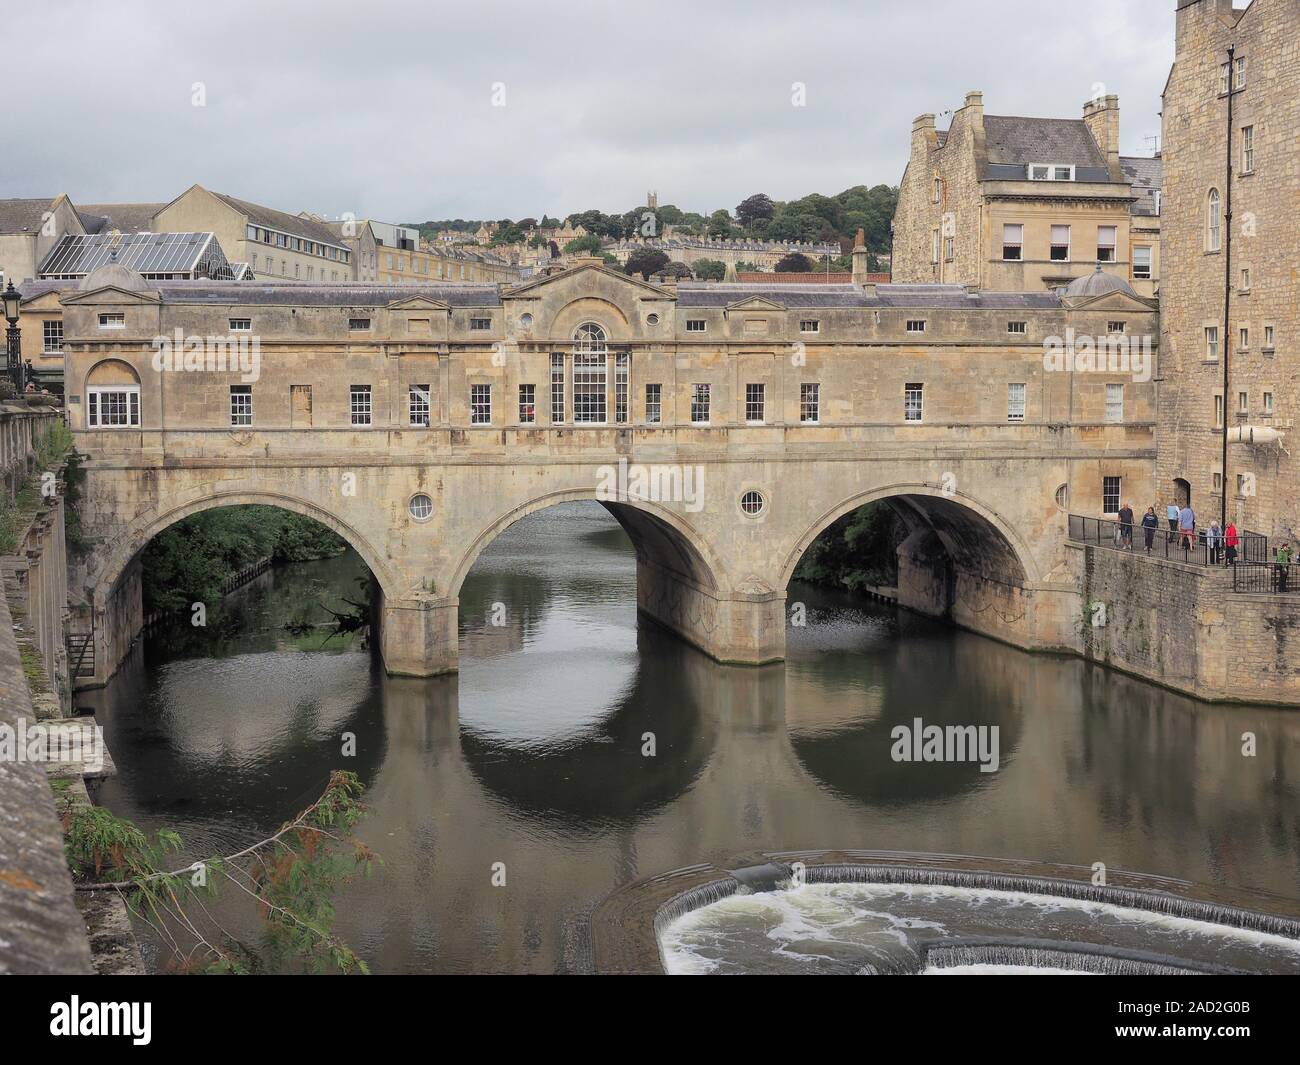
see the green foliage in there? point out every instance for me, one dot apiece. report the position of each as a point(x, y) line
point(794, 263)
point(49, 447)
point(645, 261)
point(291, 877)
point(588, 245)
point(753, 208)
point(709, 269)
point(189, 561)
point(677, 270)
point(857, 550)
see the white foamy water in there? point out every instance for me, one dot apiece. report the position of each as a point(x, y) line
point(886, 928)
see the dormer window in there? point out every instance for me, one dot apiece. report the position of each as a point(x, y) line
point(1050, 172)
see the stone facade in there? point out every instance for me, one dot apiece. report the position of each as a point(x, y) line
point(1262, 236)
point(839, 366)
point(962, 187)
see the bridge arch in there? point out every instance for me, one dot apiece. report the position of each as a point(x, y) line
point(658, 535)
point(971, 532)
point(145, 527)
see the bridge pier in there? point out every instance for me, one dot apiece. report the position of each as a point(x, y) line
point(418, 637)
point(745, 627)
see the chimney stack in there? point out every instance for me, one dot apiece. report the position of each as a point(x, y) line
point(1101, 115)
point(860, 258)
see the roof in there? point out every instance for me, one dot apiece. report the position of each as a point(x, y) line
point(709, 294)
point(1098, 283)
point(1146, 174)
point(297, 294)
point(812, 277)
point(24, 216)
point(270, 218)
point(1011, 143)
point(125, 217)
point(146, 253)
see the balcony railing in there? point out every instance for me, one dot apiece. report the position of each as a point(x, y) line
point(1195, 548)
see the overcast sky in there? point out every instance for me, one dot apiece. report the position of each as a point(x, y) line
point(386, 109)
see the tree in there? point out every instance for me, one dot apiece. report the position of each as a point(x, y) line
point(645, 261)
point(719, 223)
point(794, 263)
point(759, 205)
point(677, 270)
point(709, 269)
point(588, 245)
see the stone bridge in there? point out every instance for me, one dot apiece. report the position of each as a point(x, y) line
point(419, 423)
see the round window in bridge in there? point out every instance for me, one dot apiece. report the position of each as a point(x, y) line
point(652, 319)
point(525, 321)
point(752, 503)
point(421, 507)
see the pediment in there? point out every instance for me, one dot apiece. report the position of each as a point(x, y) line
point(111, 294)
point(43, 301)
point(756, 303)
point(419, 303)
point(1111, 301)
point(573, 279)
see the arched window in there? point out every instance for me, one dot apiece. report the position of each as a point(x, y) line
point(112, 396)
point(1213, 222)
point(590, 373)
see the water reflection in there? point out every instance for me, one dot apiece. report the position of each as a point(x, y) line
point(532, 755)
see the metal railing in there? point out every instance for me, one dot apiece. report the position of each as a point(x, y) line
point(1195, 547)
point(1266, 578)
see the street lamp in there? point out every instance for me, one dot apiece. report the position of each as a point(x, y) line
point(12, 297)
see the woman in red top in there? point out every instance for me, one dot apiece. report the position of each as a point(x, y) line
point(1230, 538)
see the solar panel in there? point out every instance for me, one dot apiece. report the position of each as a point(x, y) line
point(160, 256)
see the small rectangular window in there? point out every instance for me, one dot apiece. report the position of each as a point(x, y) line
point(755, 397)
point(1142, 262)
point(1212, 342)
point(695, 325)
point(1018, 328)
point(1060, 248)
point(1268, 402)
point(241, 325)
point(700, 404)
point(1107, 239)
point(1013, 241)
point(810, 402)
point(1247, 149)
point(810, 325)
point(938, 190)
point(1268, 338)
point(241, 404)
point(1110, 495)
point(358, 324)
point(1243, 338)
point(1245, 279)
point(480, 404)
point(653, 403)
point(359, 396)
point(1116, 327)
point(527, 404)
point(112, 321)
point(948, 249)
point(1114, 403)
point(1218, 411)
point(418, 405)
point(480, 324)
point(1224, 74)
point(913, 402)
point(934, 246)
point(916, 325)
point(1015, 402)
point(52, 336)
point(1243, 402)
point(1239, 79)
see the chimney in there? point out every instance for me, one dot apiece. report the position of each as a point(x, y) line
point(860, 258)
point(1101, 115)
point(924, 138)
point(975, 100)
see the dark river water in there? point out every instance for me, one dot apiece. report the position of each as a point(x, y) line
point(532, 755)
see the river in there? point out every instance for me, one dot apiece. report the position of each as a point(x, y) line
point(533, 755)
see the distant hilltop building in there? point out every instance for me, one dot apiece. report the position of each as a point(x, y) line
point(761, 253)
point(1019, 204)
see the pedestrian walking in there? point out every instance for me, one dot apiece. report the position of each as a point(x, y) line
point(1150, 523)
point(1230, 541)
point(1126, 527)
point(1171, 512)
point(1214, 543)
point(1187, 527)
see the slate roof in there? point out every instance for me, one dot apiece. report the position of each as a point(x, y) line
point(270, 218)
point(23, 216)
point(1146, 174)
point(125, 217)
point(704, 294)
point(1011, 143)
point(293, 294)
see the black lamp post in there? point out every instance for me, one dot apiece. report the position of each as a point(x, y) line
point(13, 346)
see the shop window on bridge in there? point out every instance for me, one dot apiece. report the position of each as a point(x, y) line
point(700, 404)
point(1016, 402)
point(754, 403)
point(1110, 488)
point(590, 374)
point(557, 387)
point(359, 399)
point(654, 403)
point(113, 406)
point(527, 404)
point(241, 404)
point(913, 401)
point(810, 400)
point(418, 405)
point(480, 404)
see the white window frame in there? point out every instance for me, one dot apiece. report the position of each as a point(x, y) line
point(480, 404)
point(95, 406)
point(701, 395)
point(361, 406)
point(916, 325)
point(1212, 343)
point(654, 403)
point(52, 327)
point(1018, 243)
point(590, 375)
point(112, 320)
point(241, 325)
point(914, 402)
point(419, 406)
point(1141, 268)
point(810, 400)
point(697, 325)
point(810, 325)
point(1018, 329)
point(1017, 396)
point(755, 403)
point(1248, 149)
point(1213, 221)
point(1117, 494)
point(1112, 248)
point(241, 412)
point(527, 403)
point(1114, 403)
point(1053, 243)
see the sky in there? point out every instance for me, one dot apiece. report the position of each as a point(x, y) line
point(407, 111)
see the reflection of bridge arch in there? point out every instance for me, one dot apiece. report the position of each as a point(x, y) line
point(659, 536)
point(975, 536)
point(145, 527)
